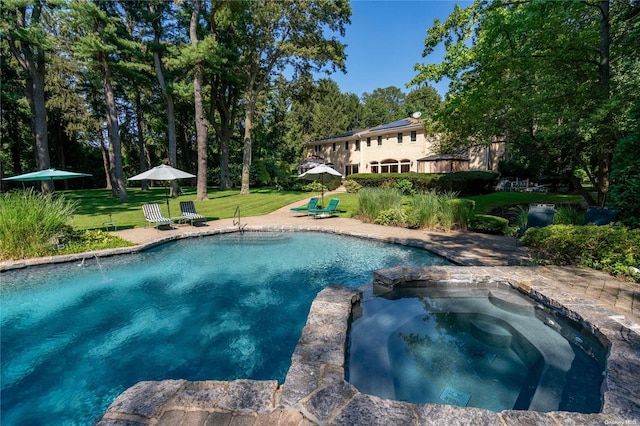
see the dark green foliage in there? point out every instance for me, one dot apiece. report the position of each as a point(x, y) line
point(488, 224)
point(515, 169)
point(612, 248)
point(464, 183)
point(93, 239)
point(624, 191)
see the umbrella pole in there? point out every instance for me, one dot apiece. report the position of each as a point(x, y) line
point(168, 208)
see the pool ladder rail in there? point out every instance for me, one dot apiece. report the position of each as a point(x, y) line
point(236, 220)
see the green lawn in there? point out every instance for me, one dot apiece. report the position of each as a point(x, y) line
point(97, 206)
point(485, 203)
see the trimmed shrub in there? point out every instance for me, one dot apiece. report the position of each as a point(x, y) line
point(391, 217)
point(352, 186)
point(612, 248)
point(488, 224)
point(465, 183)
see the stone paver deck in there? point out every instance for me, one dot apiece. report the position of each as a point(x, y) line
point(315, 391)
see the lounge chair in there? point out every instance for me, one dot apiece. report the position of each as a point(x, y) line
point(188, 211)
point(313, 203)
point(330, 210)
point(152, 214)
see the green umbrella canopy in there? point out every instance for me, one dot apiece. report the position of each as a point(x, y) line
point(48, 174)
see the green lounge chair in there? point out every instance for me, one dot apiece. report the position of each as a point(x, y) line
point(313, 203)
point(330, 210)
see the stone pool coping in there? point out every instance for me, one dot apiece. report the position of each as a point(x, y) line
point(315, 392)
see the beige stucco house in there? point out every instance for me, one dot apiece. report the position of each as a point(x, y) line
point(399, 147)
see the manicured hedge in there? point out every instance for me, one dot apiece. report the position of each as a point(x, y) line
point(612, 248)
point(488, 224)
point(464, 183)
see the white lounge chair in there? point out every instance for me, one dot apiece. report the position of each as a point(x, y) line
point(152, 214)
point(188, 211)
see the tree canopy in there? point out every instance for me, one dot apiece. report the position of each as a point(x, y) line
point(552, 78)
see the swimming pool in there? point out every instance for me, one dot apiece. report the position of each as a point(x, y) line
point(486, 347)
point(219, 307)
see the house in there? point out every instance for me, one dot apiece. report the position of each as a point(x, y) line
point(399, 147)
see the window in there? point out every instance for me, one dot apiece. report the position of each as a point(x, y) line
point(399, 137)
point(357, 145)
point(346, 145)
point(368, 142)
point(316, 148)
point(414, 136)
point(379, 140)
point(334, 146)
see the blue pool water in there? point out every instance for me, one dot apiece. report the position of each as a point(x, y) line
point(488, 348)
point(221, 307)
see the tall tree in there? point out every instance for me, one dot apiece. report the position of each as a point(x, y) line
point(202, 124)
point(540, 73)
point(425, 100)
point(382, 106)
point(28, 41)
point(99, 39)
point(157, 12)
point(281, 34)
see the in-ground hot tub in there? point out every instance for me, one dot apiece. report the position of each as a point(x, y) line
point(484, 346)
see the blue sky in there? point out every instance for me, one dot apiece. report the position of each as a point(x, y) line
point(386, 39)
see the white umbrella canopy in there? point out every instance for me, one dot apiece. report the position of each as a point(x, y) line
point(163, 172)
point(323, 174)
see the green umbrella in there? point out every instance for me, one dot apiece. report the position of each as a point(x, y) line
point(48, 174)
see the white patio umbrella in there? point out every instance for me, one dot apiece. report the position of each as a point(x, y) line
point(165, 173)
point(323, 174)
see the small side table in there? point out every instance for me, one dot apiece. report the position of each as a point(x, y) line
point(108, 225)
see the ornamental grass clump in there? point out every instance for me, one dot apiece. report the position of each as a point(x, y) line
point(30, 222)
point(373, 201)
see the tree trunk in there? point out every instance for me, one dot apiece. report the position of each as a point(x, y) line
point(223, 96)
point(115, 150)
point(201, 121)
point(246, 151)
point(34, 65)
point(604, 74)
point(105, 161)
point(144, 184)
point(168, 98)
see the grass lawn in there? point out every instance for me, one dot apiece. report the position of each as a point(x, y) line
point(485, 203)
point(97, 206)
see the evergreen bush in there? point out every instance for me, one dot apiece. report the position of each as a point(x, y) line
point(624, 191)
point(612, 248)
point(488, 224)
